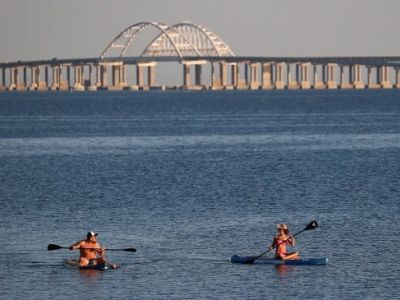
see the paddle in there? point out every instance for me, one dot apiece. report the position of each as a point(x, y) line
point(310, 226)
point(52, 247)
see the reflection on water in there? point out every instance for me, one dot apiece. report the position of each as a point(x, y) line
point(283, 270)
point(90, 275)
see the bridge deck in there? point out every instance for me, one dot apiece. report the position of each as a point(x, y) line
point(347, 60)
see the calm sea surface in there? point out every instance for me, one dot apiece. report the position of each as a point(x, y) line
point(189, 179)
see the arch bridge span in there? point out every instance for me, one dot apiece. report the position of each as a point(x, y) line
point(180, 40)
point(196, 46)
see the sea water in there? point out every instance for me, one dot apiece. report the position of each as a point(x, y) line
point(190, 179)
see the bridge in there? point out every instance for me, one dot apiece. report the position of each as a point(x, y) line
point(196, 48)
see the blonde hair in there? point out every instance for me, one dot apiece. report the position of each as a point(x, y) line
point(283, 227)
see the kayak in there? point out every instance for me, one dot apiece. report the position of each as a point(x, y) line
point(75, 264)
point(294, 262)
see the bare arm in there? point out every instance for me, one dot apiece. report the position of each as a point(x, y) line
point(273, 244)
point(100, 250)
point(75, 246)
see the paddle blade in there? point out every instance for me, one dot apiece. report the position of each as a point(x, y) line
point(311, 225)
point(249, 261)
point(126, 249)
point(129, 249)
point(242, 260)
point(51, 247)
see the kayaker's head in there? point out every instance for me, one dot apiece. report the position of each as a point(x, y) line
point(282, 227)
point(91, 236)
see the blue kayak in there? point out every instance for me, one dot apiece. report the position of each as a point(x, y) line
point(74, 263)
point(295, 262)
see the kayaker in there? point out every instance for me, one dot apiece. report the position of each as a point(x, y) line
point(280, 241)
point(91, 253)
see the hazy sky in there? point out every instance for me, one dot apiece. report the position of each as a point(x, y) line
point(42, 29)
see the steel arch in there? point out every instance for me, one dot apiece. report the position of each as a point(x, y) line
point(182, 39)
point(220, 47)
point(202, 39)
point(131, 32)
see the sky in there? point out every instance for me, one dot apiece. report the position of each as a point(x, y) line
point(43, 29)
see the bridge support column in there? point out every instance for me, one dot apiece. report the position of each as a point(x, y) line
point(254, 82)
point(331, 82)
point(212, 76)
point(305, 81)
point(223, 67)
point(16, 81)
point(398, 78)
point(122, 76)
point(23, 85)
point(234, 75)
point(315, 76)
point(41, 78)
point(20, 85)
point(246, 75)
point(187, 82)
point(241, 83)
point(358, 83)
point(10, 86)
point(266, 77)
point(116, 78)
point(33, 85)
point(151, 74)
point(46, 78)
point(279, 82)
point(319, 85)
point(98, 76)
point(3, 79)
point(103, 77)
point(351, 76)
point(139, 76)
point(291, 84)
point(215, 80)
point(197, 75)
point(369, 77)
point(186, 77)
point(343, 84)
point(64, 84)
point(385, 83)
point(140, 69)
point(371, 84)
point(56, 78)
point(78, 79)
point(36, 83)
point(69, 82)
point(39, 83)
point(16, 78)
point(13, 79)
point(92, 84)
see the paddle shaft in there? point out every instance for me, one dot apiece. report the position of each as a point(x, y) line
point(56, 247)
point(96, 249)
point(108, 249)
